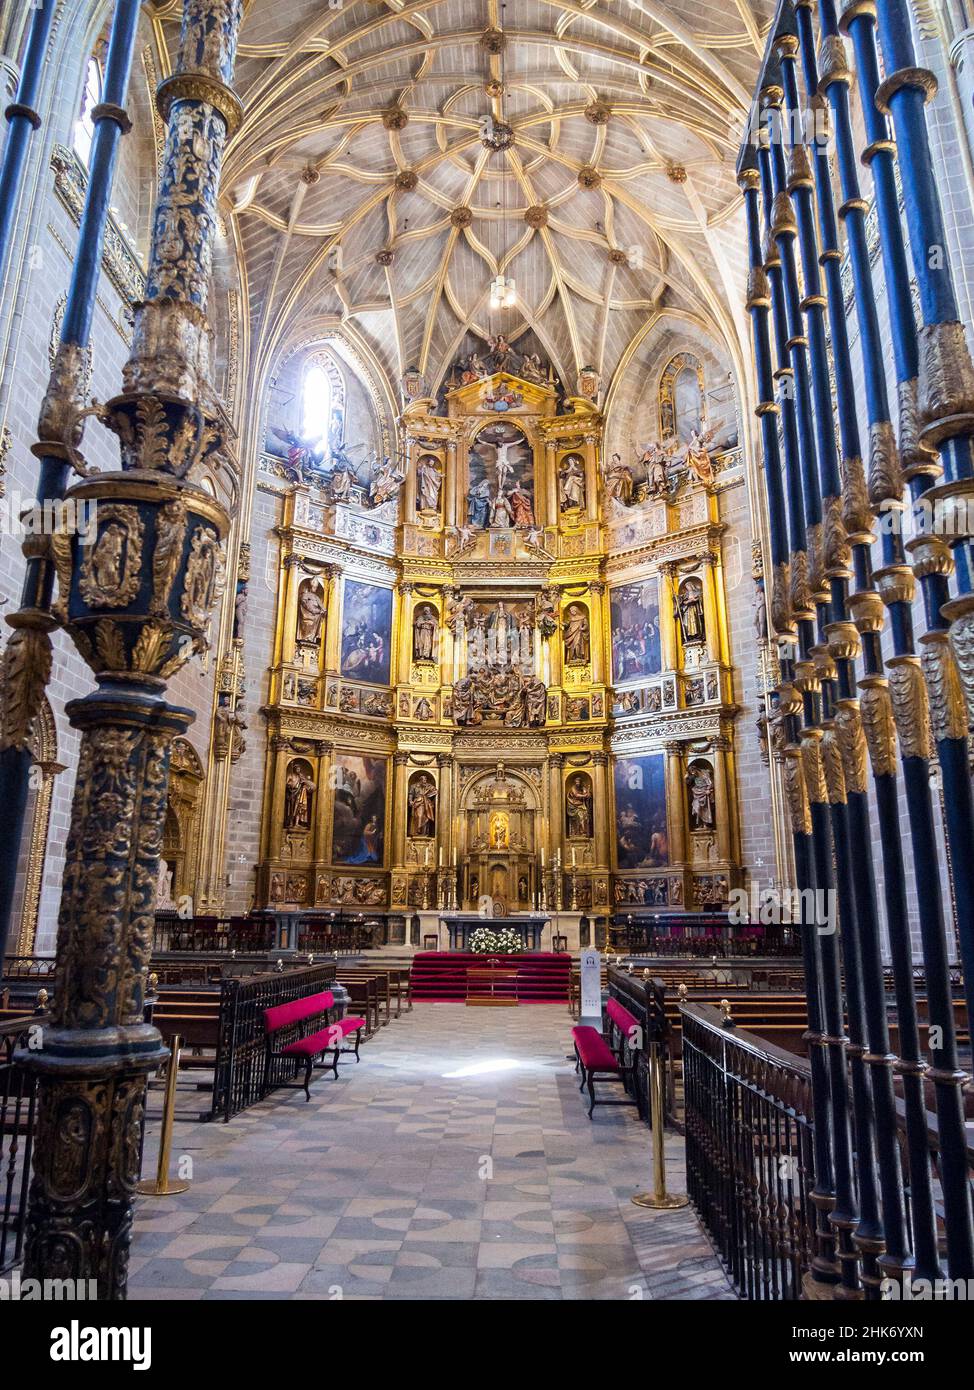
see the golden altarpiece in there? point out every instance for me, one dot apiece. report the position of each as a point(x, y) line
point(501, 681)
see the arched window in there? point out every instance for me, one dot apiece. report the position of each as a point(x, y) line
point(316, 408)
point(84, 128)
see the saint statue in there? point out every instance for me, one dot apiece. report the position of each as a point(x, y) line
point(689, 606)
point(655, 459)
point(578, 807)
point(571, 484)
point(700, 783)
point(164, 900)
point(311, 613)
point(500, 512)
point(522, 507)
point(386, 483)
point(546, 612)
point(422, 808)
point(298, 789)
point(478, 505)
point(424, 632)
point(575, 631)
point(429, 481)
point(698, 457)
point(618, 481)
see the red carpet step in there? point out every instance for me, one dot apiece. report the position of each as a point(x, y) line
point(543, 977)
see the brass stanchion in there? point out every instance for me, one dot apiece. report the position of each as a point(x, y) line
point(659, 1199)
point(160, 1186)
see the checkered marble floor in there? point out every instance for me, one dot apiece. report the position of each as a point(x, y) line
point(456, 1161)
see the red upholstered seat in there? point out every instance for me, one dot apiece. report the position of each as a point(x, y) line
point(350, 1025)
point(626, 1022)
point(593, 1049)
point(297, 1010)
point(314, 1042)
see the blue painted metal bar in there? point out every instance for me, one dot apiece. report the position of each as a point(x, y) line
point(22, 121)
point(903, 93)
point(58, 428)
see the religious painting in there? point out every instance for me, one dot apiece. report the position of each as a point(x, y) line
point(500, 479)
point(640, 797)
point(366, 632)
point(634, 614)
point(359, 814)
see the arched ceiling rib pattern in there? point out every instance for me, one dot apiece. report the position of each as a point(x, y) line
point(363, 191)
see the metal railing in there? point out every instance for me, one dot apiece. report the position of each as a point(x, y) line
point(241, 1075)
point(749, 1152)
point(18, 1102)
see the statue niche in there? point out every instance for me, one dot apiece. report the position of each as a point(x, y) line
point(700, 789)
point(689, 612)
point(311, 613)
point(426, 628)
point(299, 788)
point(429, 483)
point(576, 634)
point(578, 806)
point(421, 798)
point(571, 483)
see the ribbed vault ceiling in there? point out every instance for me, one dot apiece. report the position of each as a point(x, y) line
point(363, 192)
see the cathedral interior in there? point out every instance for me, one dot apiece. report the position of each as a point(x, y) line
point(486, 573)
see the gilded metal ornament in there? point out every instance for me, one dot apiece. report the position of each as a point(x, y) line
point(916, 457)
point(796, 792)
point(857, 514)
point(948, 713)
point(879, 727)
point(908, 693)
point(833, 765)
point(852, 744)
point(946, 382)
point(885, 474)
point(110, 573)
point(813, 766)
point(25, 670)
point(960, 613)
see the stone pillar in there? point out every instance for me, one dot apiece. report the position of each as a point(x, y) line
point(136, 602)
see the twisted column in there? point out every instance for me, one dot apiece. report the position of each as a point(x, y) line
point(136, 603)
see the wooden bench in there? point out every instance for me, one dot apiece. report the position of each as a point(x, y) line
point(309, 1045)
point(597, 1060)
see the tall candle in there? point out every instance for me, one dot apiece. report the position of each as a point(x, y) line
point(542, 856)
point(573, 856)
point(441, 856)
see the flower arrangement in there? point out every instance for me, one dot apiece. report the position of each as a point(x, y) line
point(487, 942)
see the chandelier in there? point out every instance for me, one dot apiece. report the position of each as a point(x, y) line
point(503, 293)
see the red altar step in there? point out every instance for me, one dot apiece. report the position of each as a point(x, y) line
point(543, 977)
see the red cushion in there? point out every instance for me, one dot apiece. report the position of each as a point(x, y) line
point(314, 1043)
point(592, 1049)
point(350, 1025)
point(297, 1010)
point(623, 1019)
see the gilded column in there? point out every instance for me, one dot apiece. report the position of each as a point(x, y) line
point(136, 602)
point(676, 802)
point(712, 608)
point(450, 517)
point(600, 764)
